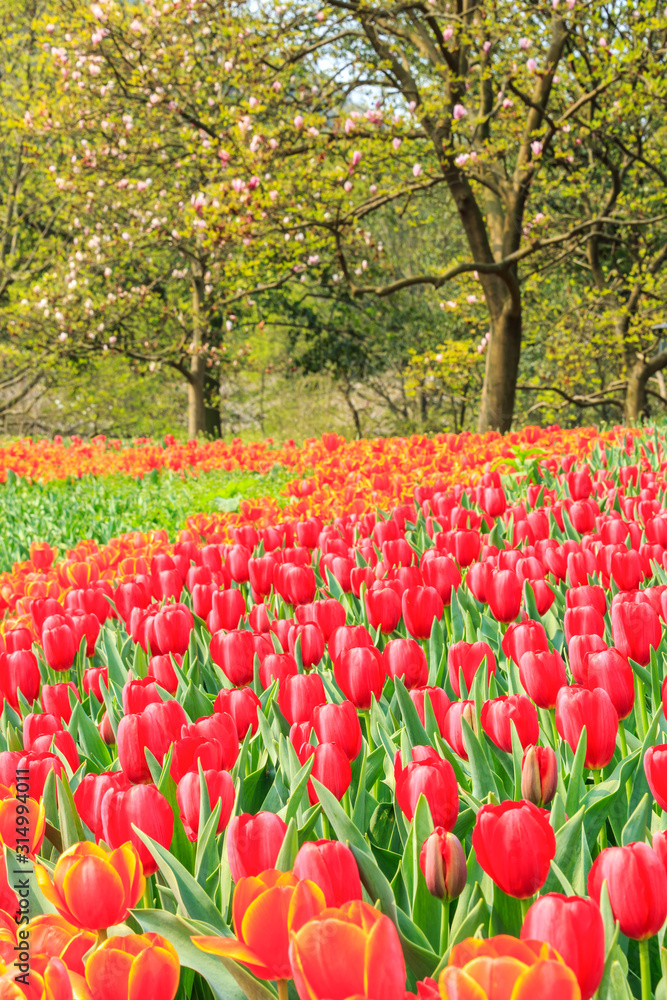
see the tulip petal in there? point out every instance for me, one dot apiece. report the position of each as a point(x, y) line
point(307, 901)
point(94, 894)
point(316, 958)
point(265, 929)
point(108, 972)
point(496, 976)
point(547, 980)
point(455, 984)
point(155, 973)
point(226, 947)
point(385, 965)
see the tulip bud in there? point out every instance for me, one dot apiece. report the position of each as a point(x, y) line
point(443, 862)
point(539, 775)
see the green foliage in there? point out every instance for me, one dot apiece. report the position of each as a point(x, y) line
point(63, 512)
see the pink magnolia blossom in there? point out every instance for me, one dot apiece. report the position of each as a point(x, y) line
point(459, 112)
point(416, 170)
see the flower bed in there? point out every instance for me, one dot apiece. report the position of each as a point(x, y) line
point(403, 737)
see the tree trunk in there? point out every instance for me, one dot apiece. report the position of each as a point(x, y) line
point(212, 407)
point(640, 370)
point(197, 376)
point(502, 368)
point(196, 407)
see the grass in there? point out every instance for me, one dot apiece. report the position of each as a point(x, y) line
point(63, 512)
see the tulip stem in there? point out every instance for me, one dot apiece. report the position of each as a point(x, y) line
point(283, 992)
point(147, 899)
point(554, 729)
point(641, 698)
point(645, 966)
point(624, 750)
point(597, 778)
point(525, 906)
point(444, 927)
point(101, 936)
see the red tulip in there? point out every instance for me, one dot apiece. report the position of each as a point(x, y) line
point(384, 609)
point(497, 717)
point(141, 806)
point(503, 593)
point(299, 695)
point(19, 671)
point(92, 677)
point(227, 609)
point(242, 704)
point(276, 667)
point(610, 670)
point(636, 630)
point(452, 729)
point(330, 767)
point(637, 887)
point(59, 642)
point(421, 606)
point(219, 788)
point(542, 675)
point(443, 863)
point(55, 700)
point(573, 926)
point(155, 729)
point(595, 597)
point(539, 775)
point(360, 675)
point(328, 613)
point(234, 653)
point(405, 658)
point(524, 637)
point(330, 865)
point(348, 637)
point(253, 843)
point(439, 703)
point(442, 573)
point(579, 647)
point(477, 580)
point(468, 656)
point(85, 626)
point(312, 643)
point(435, 780)
point(139, 694)
point(515, 845)
point(89, 794)
point(655, 766)
point(339, 724)
point(577, 707)
point(219, 729)
point(585, 620)
point(161, 670)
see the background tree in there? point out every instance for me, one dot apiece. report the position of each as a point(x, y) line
point(496, 103)
point(166, 119)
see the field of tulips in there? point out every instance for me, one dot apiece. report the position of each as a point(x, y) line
point(394, 733)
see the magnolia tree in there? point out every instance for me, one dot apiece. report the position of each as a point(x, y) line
point(172, 128)
point(31, 212)
point(502, 104)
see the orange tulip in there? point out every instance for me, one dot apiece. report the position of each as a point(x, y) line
point(502, 969)
point(136, 967)
point(56, 983)
point(267, 910)
point(51, 936)
point(94, 888)
point(348, 952)
point(22, 822)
